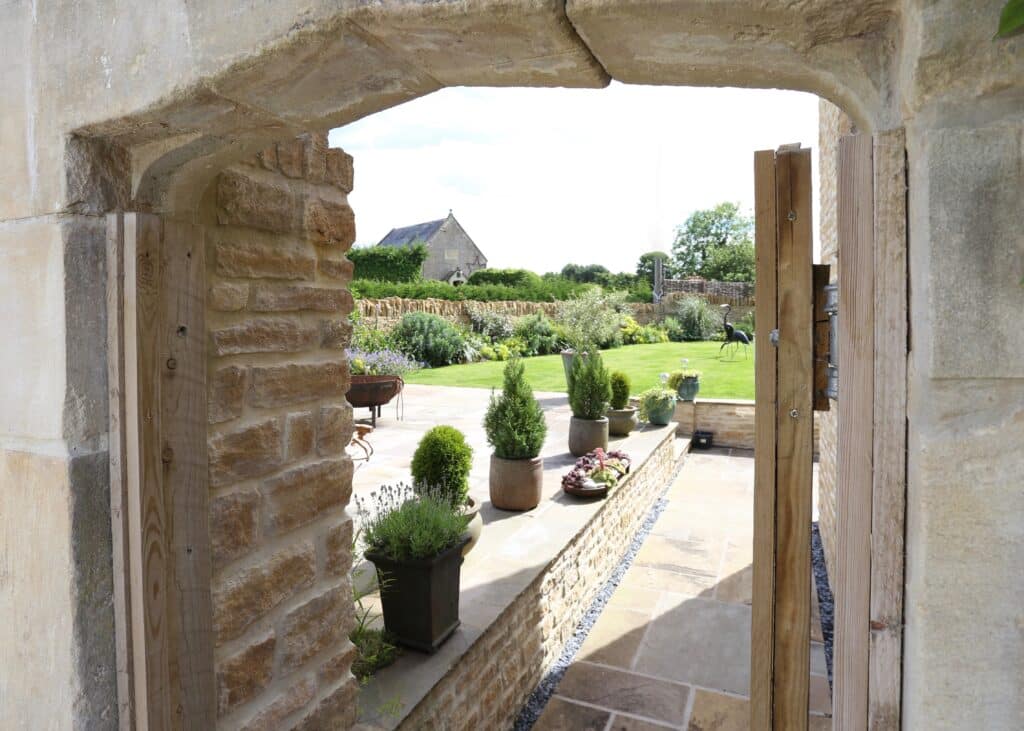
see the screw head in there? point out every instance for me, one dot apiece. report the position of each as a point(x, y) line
point(171, 364)
point(792, 216)
point(794, 413)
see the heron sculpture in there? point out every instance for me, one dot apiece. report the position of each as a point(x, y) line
point(733, 336)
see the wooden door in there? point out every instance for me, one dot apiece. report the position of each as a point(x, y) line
point(784, 385)
point(158, 473)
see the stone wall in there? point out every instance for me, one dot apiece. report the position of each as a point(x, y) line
point(733, 293)
point(278, 428)
point(832, 124)
point(386, 311)
point(489, 684)
point(732, 421)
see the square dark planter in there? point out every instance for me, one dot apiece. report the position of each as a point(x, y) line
point(703, 439)
point(420, 599)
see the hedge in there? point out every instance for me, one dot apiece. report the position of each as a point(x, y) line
point(389, 263)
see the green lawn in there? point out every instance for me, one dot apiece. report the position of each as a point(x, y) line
point(731, 377)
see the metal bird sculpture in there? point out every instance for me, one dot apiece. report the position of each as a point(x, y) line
point(732, 335)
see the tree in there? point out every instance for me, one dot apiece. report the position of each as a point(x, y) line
point(730, 263)
point(645, 266)
point(585, 273)
point(709, 229)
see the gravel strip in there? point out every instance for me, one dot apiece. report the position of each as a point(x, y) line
point(825, 603)
point(535, 704)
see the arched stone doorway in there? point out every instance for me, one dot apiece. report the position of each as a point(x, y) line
point(182, 93)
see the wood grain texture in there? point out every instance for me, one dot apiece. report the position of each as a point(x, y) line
point(150, 564)
point(119, 528)
point(184, 480)
point(763, 605)
point(794, 448)
point(854, 459)
point(888, 506)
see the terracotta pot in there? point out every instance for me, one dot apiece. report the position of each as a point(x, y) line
point(516, 483)
point(475, 526)
point(622, 421)
point(586, 435)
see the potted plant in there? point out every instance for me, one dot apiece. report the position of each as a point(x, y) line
point(657, 406)
point(589, 320)
point(441, 464)
point(686, 383)
point(621, 416)
point(515, 428)
point(595, 473)
point(417, 550)
point(376, 377)
point(589, 392)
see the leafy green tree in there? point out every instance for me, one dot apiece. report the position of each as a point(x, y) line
point(730, 263)
point(586, 273)
point(645, 266)
point(712, 228)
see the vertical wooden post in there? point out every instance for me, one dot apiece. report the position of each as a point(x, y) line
point(794, 446)
point(762, 640)
point(890, 432)
point(158, 474)
point(854, 464)
point(780, 661)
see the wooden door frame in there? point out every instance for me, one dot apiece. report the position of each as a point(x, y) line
point(871, 436)
point(156, 331)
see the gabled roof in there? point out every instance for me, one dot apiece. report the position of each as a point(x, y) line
point(408, 234)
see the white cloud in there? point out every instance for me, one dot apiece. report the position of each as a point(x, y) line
point(542, 177)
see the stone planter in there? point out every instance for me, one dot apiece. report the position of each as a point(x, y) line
point(622, 421)
point(515, 484)
point(586, 435)
point(688, 389)
point(475, 526)
point(420, 599)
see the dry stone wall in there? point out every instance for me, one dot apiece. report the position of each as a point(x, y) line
point(278, 427)
point(386, 311)
point(731, 421)
point(488, 685)
point(832, 124)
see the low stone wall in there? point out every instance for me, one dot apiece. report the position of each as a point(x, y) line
point(488, 685)
point(732, 421)
point(386, 311)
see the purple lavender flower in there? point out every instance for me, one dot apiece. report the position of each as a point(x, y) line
point(380, 362)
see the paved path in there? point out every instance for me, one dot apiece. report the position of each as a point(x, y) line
point(672, 648)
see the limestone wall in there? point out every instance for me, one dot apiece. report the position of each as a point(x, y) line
point(279, 425)
point(489, 684)
point(832, 124)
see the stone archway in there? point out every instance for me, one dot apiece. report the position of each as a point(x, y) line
point(141, 108)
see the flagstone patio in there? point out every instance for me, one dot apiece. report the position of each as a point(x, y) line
point(672, 648)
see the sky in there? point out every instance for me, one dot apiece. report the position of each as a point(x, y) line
point(543, 177)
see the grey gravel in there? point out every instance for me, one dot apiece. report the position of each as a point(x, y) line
point(825, 602)
point(535, 704)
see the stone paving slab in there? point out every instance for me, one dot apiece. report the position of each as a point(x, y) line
point(672, 648)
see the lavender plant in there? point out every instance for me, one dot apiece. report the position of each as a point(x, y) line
point(385, 362)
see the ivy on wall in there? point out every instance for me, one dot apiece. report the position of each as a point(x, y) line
point(389, 263)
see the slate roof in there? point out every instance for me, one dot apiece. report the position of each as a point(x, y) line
point(408, 234)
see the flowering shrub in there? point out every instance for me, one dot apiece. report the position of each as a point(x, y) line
point(379, 362)
point(596, 469)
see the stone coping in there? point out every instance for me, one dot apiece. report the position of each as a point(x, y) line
point(514, 550)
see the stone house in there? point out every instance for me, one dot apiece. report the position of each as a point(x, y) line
point(452, 254)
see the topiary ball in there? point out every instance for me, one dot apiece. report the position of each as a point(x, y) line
point(442, 462)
